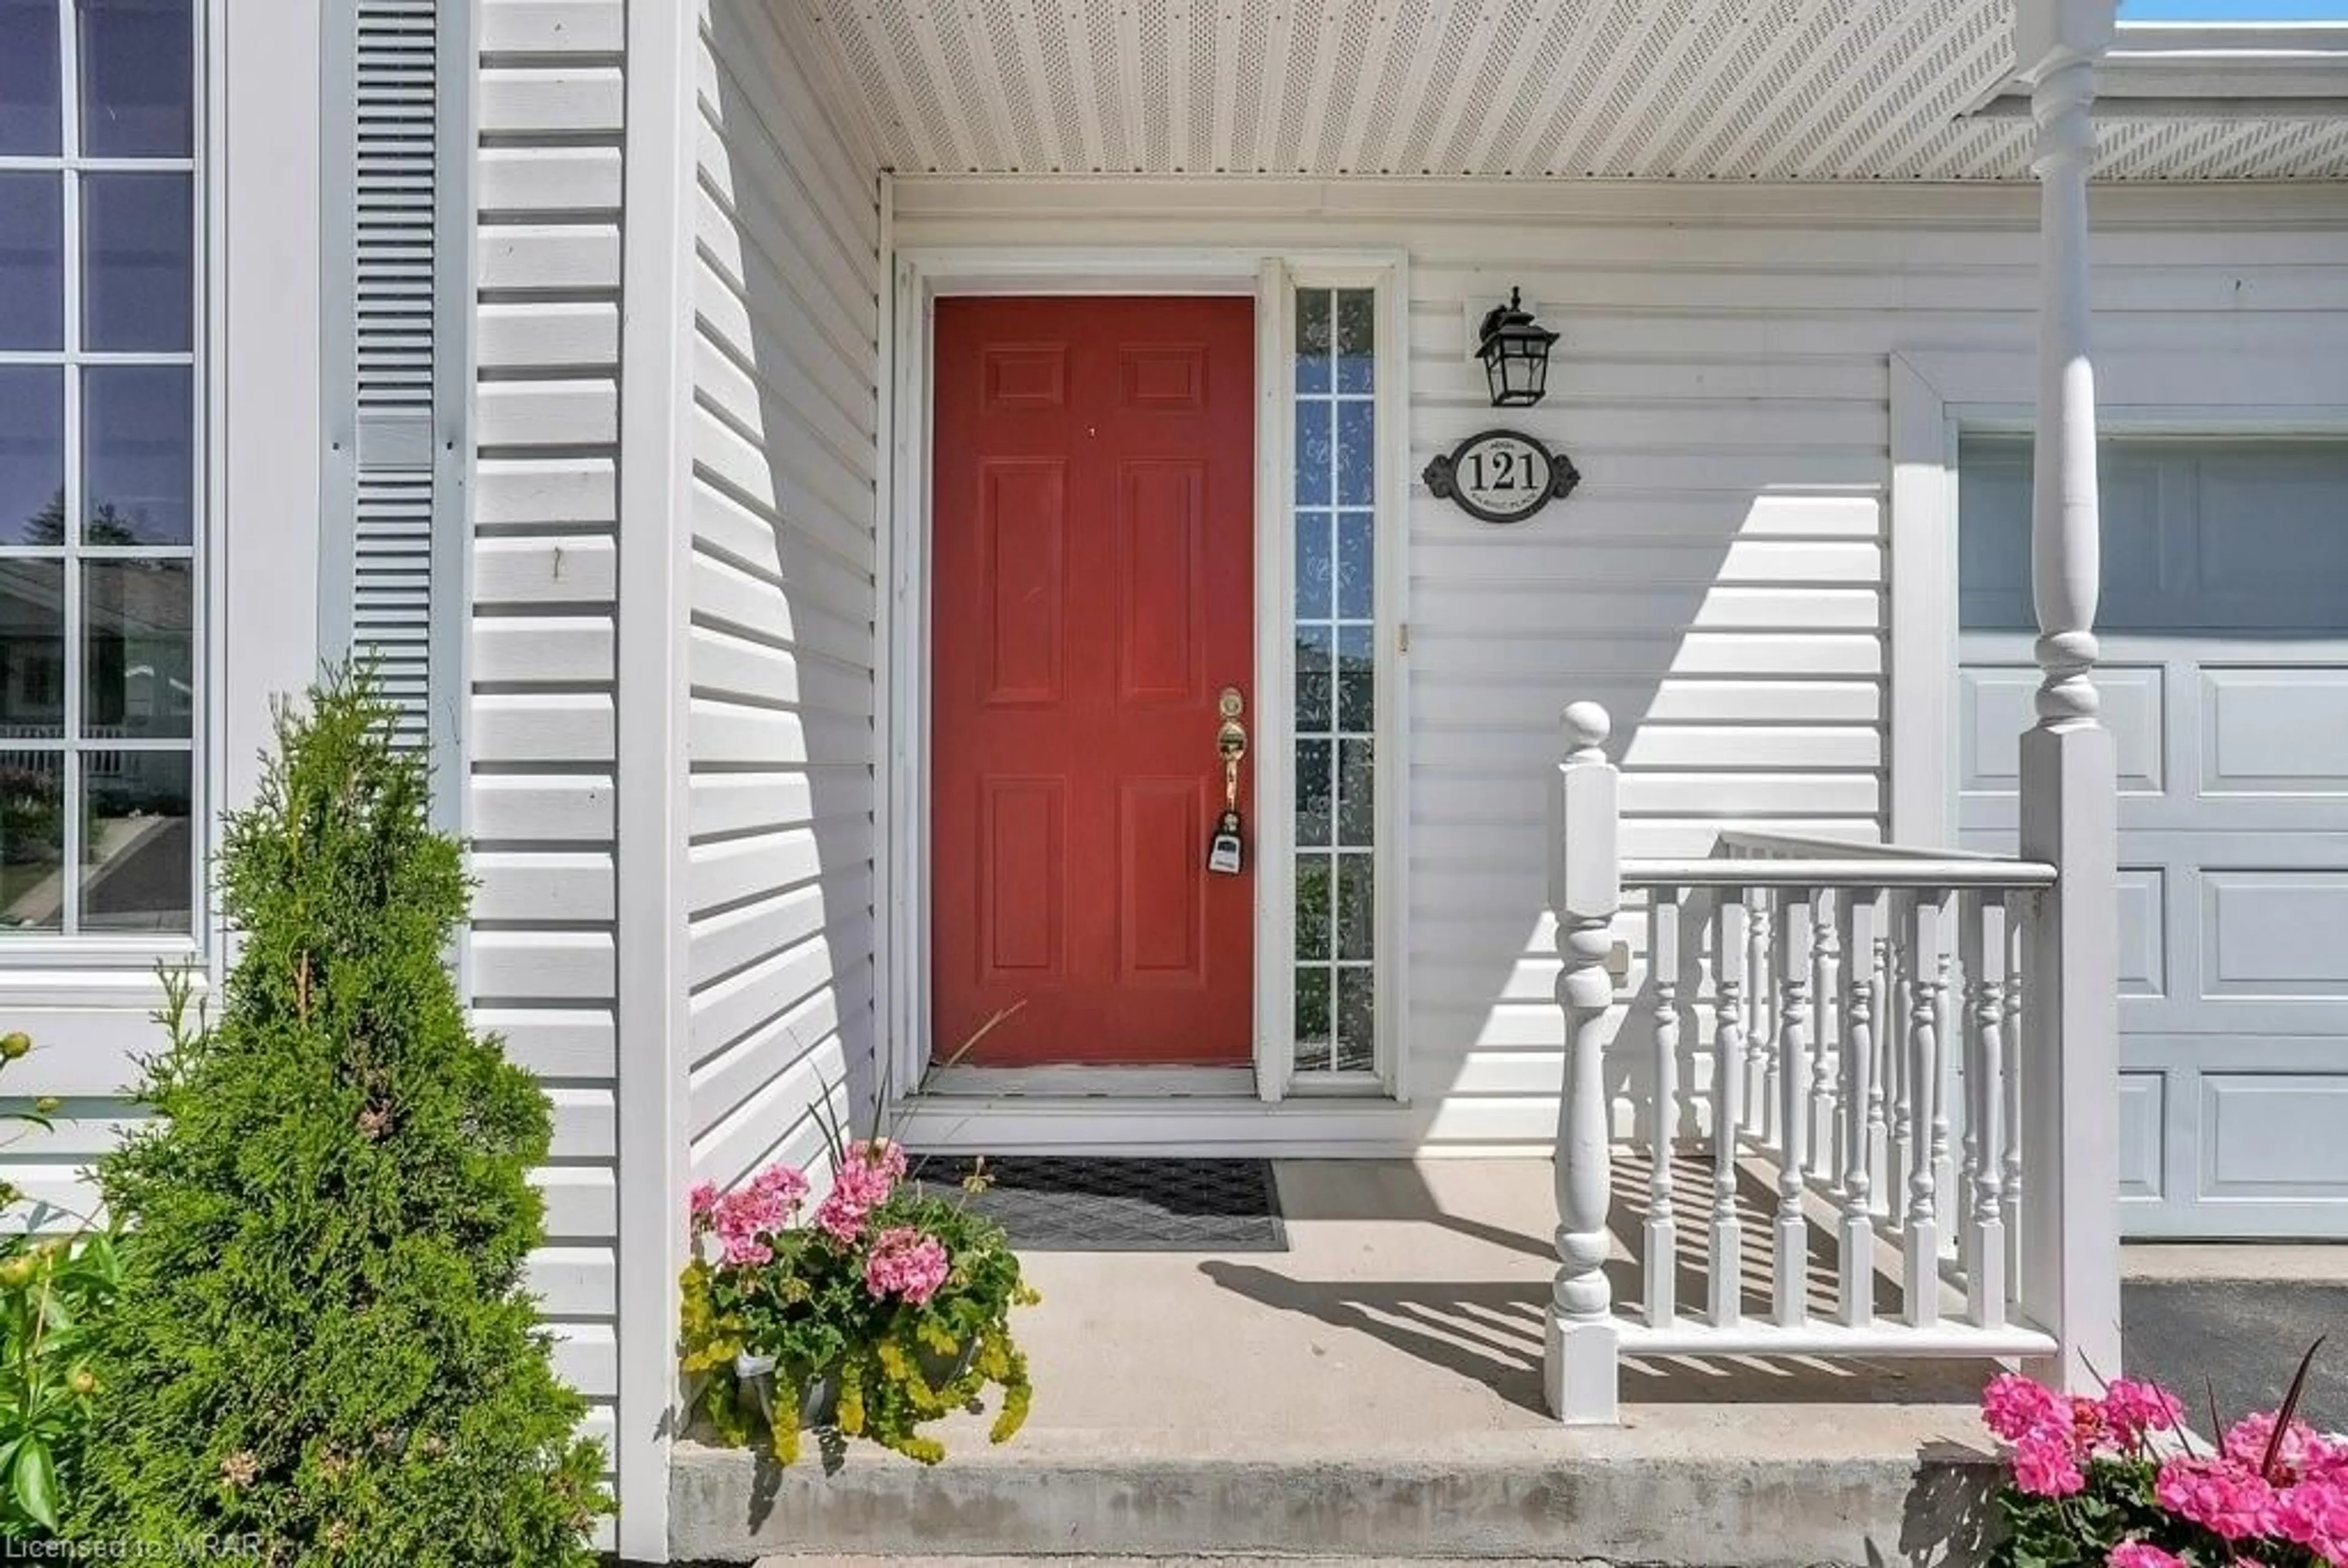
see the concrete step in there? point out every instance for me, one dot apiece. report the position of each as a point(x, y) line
point(1735, 1487)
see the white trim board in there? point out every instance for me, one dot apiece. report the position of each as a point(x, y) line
point(1937, 395)
point(922, 276)
point(650, 936)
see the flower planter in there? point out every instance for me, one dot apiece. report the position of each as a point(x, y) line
point(818, 1407)
point(858, 1290)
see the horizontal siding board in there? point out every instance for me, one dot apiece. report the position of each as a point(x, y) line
point(553, 26)
point(566, 100)
point(518, 182)
point(533, 335)
point(542, 571)
point(555, 808)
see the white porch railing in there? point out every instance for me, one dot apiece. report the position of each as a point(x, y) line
point(1829, 1157)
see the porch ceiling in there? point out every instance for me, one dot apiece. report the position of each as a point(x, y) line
point(1688, 89)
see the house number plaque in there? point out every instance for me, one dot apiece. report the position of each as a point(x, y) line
point(1501, 476)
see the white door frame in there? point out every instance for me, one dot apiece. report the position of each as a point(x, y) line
point(918, 278)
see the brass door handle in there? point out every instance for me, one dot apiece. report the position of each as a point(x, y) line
point(1232, 742)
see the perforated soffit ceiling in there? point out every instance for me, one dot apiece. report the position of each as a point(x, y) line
point(1686, 89)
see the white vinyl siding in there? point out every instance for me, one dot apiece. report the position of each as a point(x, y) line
point(1720, 578)
point(541, 742)
point(782, 441)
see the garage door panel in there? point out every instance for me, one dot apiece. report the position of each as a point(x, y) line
point(1996, 704)
point(2274, 730)
point(2224, 626)
point(2266, 1134)
point(2143, 1110)
point(2143, 939)
point(2271, 935)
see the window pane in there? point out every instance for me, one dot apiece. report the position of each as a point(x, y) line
point(1315, 693)
point(137, 868)
point(1357, 566)
point(1356, 1020)
point(1357, 466)
point(1356, 802)
point(1357, 681)
point(32, 454)
point(137, 78)
point(1311, 1018)
point(1356, 909)
point(28, 77)
point(1357, 340)
point(138, 455)
point(137, 264)
point(1313, 793)
point(1312, 454)
point(31, 841)
point(32, 262)
point(1313, 601)
point(138, 650)
point(1313, 342)
point(1312, 906)
point(31, 648)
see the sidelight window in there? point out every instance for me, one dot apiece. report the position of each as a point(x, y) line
point(1335, 624)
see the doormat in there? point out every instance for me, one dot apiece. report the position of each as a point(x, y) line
point(1057, 1203)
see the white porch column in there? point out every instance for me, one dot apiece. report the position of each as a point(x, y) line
point(1578, 1370)
point(2070, 807)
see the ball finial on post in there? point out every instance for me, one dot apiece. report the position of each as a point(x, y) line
point(1586, 727)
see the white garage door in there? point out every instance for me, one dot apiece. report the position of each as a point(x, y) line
point(2225, 681)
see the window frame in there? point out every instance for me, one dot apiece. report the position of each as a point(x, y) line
point(135, 953)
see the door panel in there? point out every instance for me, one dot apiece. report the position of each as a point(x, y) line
point(1092, 593)
point(2225, 682)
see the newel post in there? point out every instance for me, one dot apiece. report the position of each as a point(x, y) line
point(2069, 1059)
point(1585, 891)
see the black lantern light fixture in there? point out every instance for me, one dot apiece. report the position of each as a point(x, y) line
point(1514, 352)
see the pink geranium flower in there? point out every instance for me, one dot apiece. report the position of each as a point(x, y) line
point(2225, 1497)
point(868, 1175)
point(2142, 1554)
point(2045, 1466)
point(906, 1264)
point(2133, 1407)
point(2014, 1408)
point(2314, 1514)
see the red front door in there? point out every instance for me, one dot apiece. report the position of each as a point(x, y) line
point(1092, 593)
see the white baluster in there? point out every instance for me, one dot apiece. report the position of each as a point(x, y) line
point(1886, 1046)
point(1825, 971)
point(1760, 1056)
point(1960, 1024)
point(1727, 1262)
point(1578, 1370)
point(1921, 1234)
point(1900, 1157)
point(1859, 914)
point(1947, 1100)
point(2017, 944)
point(1662, 1251)
point(1985, 956)
point(1793, 1070)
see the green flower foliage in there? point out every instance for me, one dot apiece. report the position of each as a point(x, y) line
point(321, 1343)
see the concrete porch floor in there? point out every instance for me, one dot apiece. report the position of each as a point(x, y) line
point(1376, 1391)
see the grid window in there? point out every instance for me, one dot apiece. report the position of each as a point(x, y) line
point(1336, 680)
point(99, 525)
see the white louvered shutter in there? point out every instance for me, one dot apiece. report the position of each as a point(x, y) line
point(396, 216)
